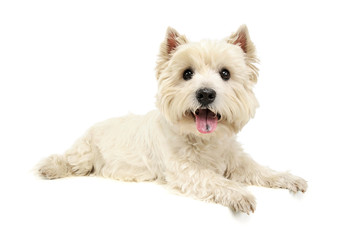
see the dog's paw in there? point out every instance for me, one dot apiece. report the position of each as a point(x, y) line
point(47, 172)
point(293, 183)
point(244, 203)
point(52, 167)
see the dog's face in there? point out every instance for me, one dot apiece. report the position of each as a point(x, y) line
point(206, 87)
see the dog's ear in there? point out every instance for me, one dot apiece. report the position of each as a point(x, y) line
point(242, 39)
point(172, 40)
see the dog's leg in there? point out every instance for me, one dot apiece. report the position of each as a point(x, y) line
point(77, 161)
point(247, 171)
point(204, 184)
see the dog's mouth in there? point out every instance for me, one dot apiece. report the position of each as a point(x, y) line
point(206, 120)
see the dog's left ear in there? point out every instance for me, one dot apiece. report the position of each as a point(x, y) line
point(242, 39)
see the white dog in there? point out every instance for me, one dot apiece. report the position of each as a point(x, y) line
point(204, 99)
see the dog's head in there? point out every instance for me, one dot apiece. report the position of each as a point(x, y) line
point(206, 87)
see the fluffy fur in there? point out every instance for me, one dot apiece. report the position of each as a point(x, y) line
point(165, 144)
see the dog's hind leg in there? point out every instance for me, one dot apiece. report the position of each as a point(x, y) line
point(77, 161)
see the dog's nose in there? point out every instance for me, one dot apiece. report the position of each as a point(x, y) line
point(205, 96)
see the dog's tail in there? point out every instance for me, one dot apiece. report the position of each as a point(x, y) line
point(77, 161)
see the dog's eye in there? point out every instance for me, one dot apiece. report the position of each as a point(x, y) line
point(188, 74)
point(225, 74)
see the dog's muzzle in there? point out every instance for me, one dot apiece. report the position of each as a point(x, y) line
point(206, 119)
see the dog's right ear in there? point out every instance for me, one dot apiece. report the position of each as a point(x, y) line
point(172, 40)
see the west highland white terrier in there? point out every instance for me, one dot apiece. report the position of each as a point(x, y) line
point(205, 97)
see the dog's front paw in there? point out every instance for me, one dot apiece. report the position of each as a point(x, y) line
point(244, 203)
point(292, 183)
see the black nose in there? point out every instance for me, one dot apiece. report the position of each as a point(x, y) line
point(205, 96)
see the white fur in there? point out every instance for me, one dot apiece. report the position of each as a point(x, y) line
point(164, 145)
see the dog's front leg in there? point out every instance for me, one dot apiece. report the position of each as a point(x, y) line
point(204, 184)
point(247, 171)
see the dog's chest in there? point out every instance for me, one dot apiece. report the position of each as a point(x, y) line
point(205, 154)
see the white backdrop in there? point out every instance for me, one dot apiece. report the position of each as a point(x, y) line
point(65, 65)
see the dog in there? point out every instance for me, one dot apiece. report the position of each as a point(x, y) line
point(205, 97)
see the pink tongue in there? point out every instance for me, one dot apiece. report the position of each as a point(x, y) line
point(206, 121)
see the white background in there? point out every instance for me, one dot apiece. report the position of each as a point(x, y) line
point(65, 65)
